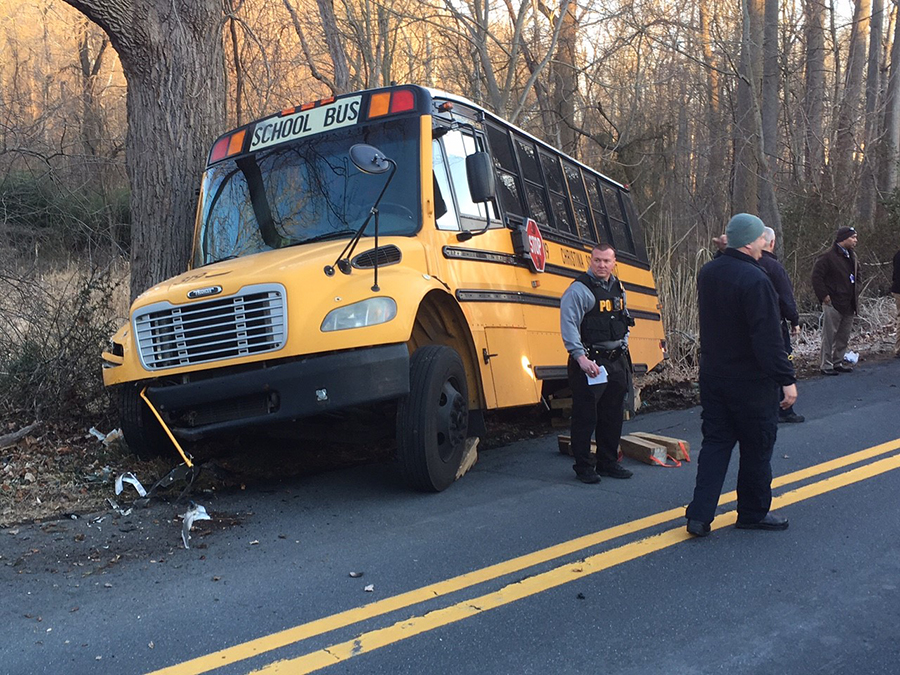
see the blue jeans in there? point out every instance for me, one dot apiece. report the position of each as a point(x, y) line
point(736, 411)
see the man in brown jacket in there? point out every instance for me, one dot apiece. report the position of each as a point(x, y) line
point(835, 280)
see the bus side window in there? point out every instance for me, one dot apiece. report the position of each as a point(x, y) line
point(579, 202)
point(534, 183)
point(634, 223)
point(509, 190)
point(457, 146)
point(559, 200)
point(444, 210)
point(597, 209)
point(618, 225)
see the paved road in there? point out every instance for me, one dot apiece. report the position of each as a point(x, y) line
point(518, 568)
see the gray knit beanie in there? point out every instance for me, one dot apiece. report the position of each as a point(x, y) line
point(743, 229)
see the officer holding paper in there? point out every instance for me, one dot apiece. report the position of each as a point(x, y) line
point(594, 324)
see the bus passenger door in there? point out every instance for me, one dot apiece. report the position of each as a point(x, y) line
point(512, 373)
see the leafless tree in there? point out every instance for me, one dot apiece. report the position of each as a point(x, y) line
point(173, 61)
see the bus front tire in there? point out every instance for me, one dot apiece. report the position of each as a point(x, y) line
point(143, 433)
point(432, 421)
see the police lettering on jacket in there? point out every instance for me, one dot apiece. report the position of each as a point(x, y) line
point(606, 321)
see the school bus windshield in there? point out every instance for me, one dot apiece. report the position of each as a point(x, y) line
point(307, 191)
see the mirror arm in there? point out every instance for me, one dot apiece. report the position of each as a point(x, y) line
point(468, 234)
point(343, 259)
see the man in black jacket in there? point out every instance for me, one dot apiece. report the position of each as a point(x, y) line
point(742, 365)
point(835, 280)
point(790, 317)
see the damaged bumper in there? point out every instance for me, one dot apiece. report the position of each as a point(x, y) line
point(283, 391)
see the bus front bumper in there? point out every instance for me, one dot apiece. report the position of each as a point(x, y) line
point(284, 391)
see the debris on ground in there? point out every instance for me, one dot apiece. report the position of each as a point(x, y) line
point(195, 512)
point(131, 479)
point(470, 456)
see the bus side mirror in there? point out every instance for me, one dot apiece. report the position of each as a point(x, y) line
point(480, 174)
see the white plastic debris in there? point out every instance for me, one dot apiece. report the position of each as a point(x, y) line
point(113, 436)
point(370, 588)
point(99, 435)
point(130, 478)
point(118, 509)
point(851, 357)
point(196, 512)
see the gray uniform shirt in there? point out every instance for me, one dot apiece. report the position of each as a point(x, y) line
point(577, 301)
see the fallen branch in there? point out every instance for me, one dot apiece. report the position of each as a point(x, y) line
point(16, 436)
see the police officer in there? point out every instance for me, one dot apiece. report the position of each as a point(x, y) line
point(594, 324)
point(743, 364)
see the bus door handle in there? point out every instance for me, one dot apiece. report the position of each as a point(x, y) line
point(487, 357)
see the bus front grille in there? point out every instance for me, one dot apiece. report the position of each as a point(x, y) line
point(251, 322)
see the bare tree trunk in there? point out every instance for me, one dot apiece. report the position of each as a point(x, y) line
point(814, 97)
point(565, 80)
point(715, 174)
point(771, 84)
point(385, 45)
point(91, 114)
point(845, 145)
point(747, 131)
point(173, 61)
point(892, 118)
point(867, 186)
point(238, 70)
point(335, 42)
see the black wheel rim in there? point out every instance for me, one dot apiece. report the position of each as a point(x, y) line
point(451, 420)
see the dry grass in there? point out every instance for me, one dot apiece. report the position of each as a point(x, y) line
point(676, 263)
point(54, 322)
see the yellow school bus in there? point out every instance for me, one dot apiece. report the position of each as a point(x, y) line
point(399, 250)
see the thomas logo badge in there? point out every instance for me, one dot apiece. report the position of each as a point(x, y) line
point(204, 292)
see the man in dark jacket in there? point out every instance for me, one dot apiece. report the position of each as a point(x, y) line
point(835, 281)
point(790, 317)
point(895, 291)
point(742, 365)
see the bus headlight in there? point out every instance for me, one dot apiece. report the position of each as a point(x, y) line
point(369, 312)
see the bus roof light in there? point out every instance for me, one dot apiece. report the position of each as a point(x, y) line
point(236, 143)
point(220, 149)
point(402, 100)
point(379, 104)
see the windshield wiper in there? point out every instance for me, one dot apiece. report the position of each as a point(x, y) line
point(323, 237)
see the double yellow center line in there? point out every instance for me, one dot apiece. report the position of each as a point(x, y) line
point(532, 585)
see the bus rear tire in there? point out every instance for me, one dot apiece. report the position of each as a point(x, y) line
point(432, 421)
point(143, 433)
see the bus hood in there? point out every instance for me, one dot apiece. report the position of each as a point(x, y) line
point(298, 264)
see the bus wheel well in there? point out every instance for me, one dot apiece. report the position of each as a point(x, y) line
point(440, 321)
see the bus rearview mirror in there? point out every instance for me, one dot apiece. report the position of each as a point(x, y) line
point(480, 174)
point(369, 159)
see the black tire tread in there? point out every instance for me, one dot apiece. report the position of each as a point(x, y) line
point(413, 462)
point(143, 433)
